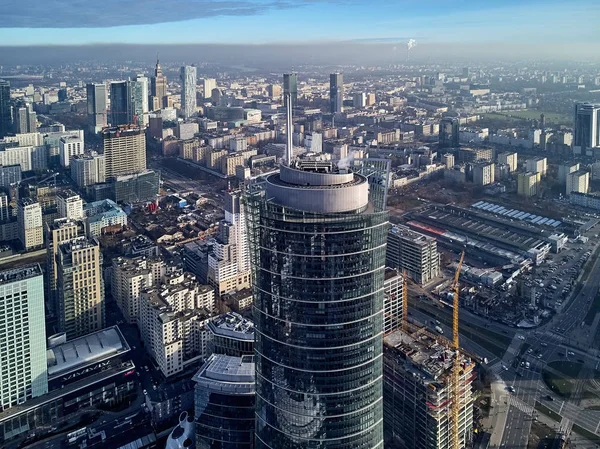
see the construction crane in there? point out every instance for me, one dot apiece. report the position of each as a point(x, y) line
point(456, 368)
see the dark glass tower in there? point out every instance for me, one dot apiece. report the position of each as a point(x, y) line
point(118, 103)
point(5, 114)
point(449, 132)
point(318, 242)
point(336, 92)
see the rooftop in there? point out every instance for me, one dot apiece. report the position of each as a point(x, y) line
point(407, 233)
point(20, 274)
point(77, 244)
point(232, 325)
point(85, 350)
point(234, 375)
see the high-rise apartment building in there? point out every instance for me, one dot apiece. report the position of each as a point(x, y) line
point(393, 289)
point(236, 215)
point(448, 160)
point(586, 135)
point(69, 147)
point(25, 119)
point(537, 164)
point(318, 238)
point(9, 174)
point(158, 86)
point(336, 93)
point(69, 204)
point(417, 395)
point(414, 252)
point(188, 91)
point(565, 169)
point(130, 276)
point(124, 151)
point(224, 399)
point(483, 173)
point(510, 159)
point(23, 369)
point(449, 132)
point(528, 183)
point(5, 112)
point(87, 170)
point(96, 107)
point(578, 181)
point(290, 87)
point(29, 220)
point(359, 100)
point(208, 84)
point(80, 287)
point(58, 232)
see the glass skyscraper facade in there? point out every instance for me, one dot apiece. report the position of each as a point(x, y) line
point(336, 92)
point(290, 86)
point(5, 113)
point(318, 242)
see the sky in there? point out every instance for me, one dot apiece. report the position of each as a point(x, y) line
point(254, 22)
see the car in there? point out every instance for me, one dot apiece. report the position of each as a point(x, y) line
point(505, 368)
point(570, 353)
point(145, 392)
point(527, 365)
point(539, 356)
point(543, 344)
point(521, 337)
point(511, 389)
point(529, 351)
point(550, 398)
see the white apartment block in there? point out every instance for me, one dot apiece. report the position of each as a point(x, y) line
point(69, 204)
point(88, 170)
point(69, 147)
point(509, 159)
point(578, 181)
point(23, 369)
point(537, 164)
point(172, 321)
point(29, 219)
point(414, 252)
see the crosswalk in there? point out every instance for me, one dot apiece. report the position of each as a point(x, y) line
point(525, 408)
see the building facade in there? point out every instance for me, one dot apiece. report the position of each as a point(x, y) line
point(528, 183)
point(414, 252)
point(578, 181)
point(97, 107)
point(124, 151)
point(31, 228)
point(509, 159)
point(5, 113)
point(537, 164)
point(318, 238)
point(290, 87)
point(23, 373)
point(449, 133)
point(393, 288)
point(87, 170)
point(188, 91)
point(586, 135)
point(336, 93)
point(69, 205)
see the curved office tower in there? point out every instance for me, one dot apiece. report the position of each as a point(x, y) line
point(318, 254)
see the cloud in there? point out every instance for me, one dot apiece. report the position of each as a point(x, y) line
point(112, 13)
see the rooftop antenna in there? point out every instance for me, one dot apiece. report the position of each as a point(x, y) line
point(288, 122)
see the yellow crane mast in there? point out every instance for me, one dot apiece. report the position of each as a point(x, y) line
point(455, 381)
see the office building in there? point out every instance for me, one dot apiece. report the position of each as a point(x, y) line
point(96, 107)
point(290, 86)
point(136, 188)
point(537, 164)
point(119, 102)
point(414, 252)
point(449, 132)
point(208, 84)
point(231, 334)
point(172, 321)
point(448, 160)
point(144, 91)
point(318, 238)
point(9, 174)
point(586, 134)
point(58, 232)
point(124, 151)
point(102, 214)
point(578, 181)
point(5, 112)
point(129, 277)
point(158, 87)
point(483, 173)
point(565, 170)
point(188, 91)
point(5, 214)
point(224, 401)
point(274, 91)
point(23, 334)
point(393, 290)
point(69, 147)
point(336, 93)
point(69, 204)
point(29, 219)
point(528, 183)
point(359, 100)
point(80, 287)
point(417, 396)
point(510, 159)
point(87, 170)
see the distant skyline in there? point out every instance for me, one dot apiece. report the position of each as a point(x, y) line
point(531, 22)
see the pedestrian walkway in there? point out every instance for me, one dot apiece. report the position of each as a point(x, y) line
point(525, 408)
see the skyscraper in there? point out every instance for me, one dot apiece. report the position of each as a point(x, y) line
point(96, 107)
point(290, 86)
point(318, 237)
point(188, 90)
point(449, 132)
point(124, 151)
point(586, 134)
point(208, 85)
point(118, 103)
point(5, 114)
point(158, 85)
point(80, 287)
point(23, 331)
point(336, 92)
point(144, 92)
point(25, 119)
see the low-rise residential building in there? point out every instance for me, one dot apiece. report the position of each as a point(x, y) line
point(101, 214)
